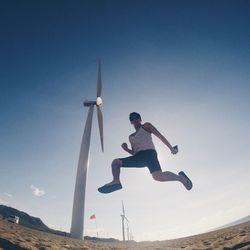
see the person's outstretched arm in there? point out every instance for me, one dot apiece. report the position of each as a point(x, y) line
point(154, 131)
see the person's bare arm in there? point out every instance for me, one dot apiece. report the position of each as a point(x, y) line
point(148, 126)
point(125, 147)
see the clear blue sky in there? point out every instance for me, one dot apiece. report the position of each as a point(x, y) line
point(184, 65)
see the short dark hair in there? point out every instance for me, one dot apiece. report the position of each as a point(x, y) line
point(134, 116)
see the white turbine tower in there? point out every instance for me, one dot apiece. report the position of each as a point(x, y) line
point(123, 226)
point(77, 223)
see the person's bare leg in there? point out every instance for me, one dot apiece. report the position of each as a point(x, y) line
point(166, 176)
point(116, 165)
point(169, 176)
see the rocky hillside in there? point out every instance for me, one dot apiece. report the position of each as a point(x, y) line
point(27, 220)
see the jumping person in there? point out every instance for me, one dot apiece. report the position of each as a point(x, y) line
point(143, 154)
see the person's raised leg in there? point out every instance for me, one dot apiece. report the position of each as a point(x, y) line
point(115, 166)
point(115, 184)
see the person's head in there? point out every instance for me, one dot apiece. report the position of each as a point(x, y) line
point(135, 118)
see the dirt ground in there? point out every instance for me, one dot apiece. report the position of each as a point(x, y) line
point(17, 237)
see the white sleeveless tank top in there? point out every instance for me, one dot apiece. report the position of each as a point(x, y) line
point(141, 140)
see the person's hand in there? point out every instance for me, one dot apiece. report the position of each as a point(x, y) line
point(125, 146)
point(174, 150)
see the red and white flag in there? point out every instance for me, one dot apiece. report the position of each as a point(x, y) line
point(92, 217)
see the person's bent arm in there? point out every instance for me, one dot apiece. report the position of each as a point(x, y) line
point(125, 147)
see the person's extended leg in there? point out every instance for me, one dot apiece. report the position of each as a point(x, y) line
point(165, 176)
point(169, 176)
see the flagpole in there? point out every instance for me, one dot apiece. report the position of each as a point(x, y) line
point(93, 217)
point(96, 228)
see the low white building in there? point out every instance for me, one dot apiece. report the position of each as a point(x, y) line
point(13, 219)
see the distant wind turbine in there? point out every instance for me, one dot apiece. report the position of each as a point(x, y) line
point(123, 220)
point(77, 223)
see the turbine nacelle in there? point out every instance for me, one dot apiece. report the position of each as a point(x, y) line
point(98, 102)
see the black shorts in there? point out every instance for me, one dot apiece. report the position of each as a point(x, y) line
point(146, 158)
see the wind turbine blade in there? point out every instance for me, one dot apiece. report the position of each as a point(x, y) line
point(99, 81)
point(100, 123)
point(126, 218)
point(123, 210)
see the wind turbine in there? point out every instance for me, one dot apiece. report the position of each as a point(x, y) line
point(123, 220)
point(77, 223)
